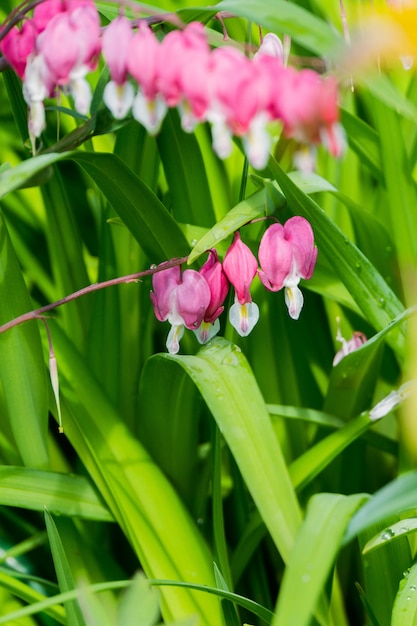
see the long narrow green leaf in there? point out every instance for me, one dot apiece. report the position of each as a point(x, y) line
point(64, 494)
point(398, 495)
point(140, 209)
point(63, 572)
point(315, 550)
point(229, 389)
point(405, 605)
point(22, 370)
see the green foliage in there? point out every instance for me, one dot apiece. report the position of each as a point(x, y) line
point(245, 481)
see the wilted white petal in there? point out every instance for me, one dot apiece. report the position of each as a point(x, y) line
point(392, 400)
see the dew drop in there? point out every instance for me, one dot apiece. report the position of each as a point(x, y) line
point(408, 598)
point(413, 587)
point(388, 534)
point(381, 302)
point(358, 266)
point(305, 578)
point(388, 249)
point(193, 242)
point(153, 266)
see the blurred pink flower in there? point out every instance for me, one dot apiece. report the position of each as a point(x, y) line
point(18, 44)
point(119, 93)
point(356, 341)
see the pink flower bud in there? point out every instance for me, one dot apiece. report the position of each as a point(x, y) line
point(216, 279)
point(240, 267)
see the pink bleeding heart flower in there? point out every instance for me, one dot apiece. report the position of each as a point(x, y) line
point(287, 254)
point(70, 45)
point(240, 266)
point(149, 107)
point(182, 299)
point(18, 44)
point(119, 93)
point(216, 279)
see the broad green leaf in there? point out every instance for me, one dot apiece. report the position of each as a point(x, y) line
point(224, 379)
point(140, 209)
point(287, 18)
point(63, 494)
point(22, 372)
point(397, 496)
point(315, 550)
point(376, 300)
point(173, 442)
point(405, 605)
point(63, 572)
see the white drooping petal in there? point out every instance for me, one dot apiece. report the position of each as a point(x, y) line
point(81, 93)
point(243, 317)
point(188, 119)
point(150, 113)
point(221, 136)
point(257, 142)
point(36, 118)
point(118, 98)
point(294, 300)
point(174, 337)
point(207, 331)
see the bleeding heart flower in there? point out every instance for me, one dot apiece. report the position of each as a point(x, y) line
point(287, 254)
point(216, 279)
point(182, 299)
point(240, 267)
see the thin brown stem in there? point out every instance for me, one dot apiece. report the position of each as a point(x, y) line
point(130, 278)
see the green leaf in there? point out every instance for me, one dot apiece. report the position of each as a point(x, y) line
point(189, 192)
point(63, 572)
point(144, 215)
point(364, 141)
point(397, 496)
point(22, 370)
point(390, 533)
point(63, 494)
point(17, 176)
point(139, 604)
point(405, 605)
point(287, 18)
point(312, 558)
point(222, 375)
point(263, 202)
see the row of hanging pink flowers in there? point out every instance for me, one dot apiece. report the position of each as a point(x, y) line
point(195, 299)
point(239, 96)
